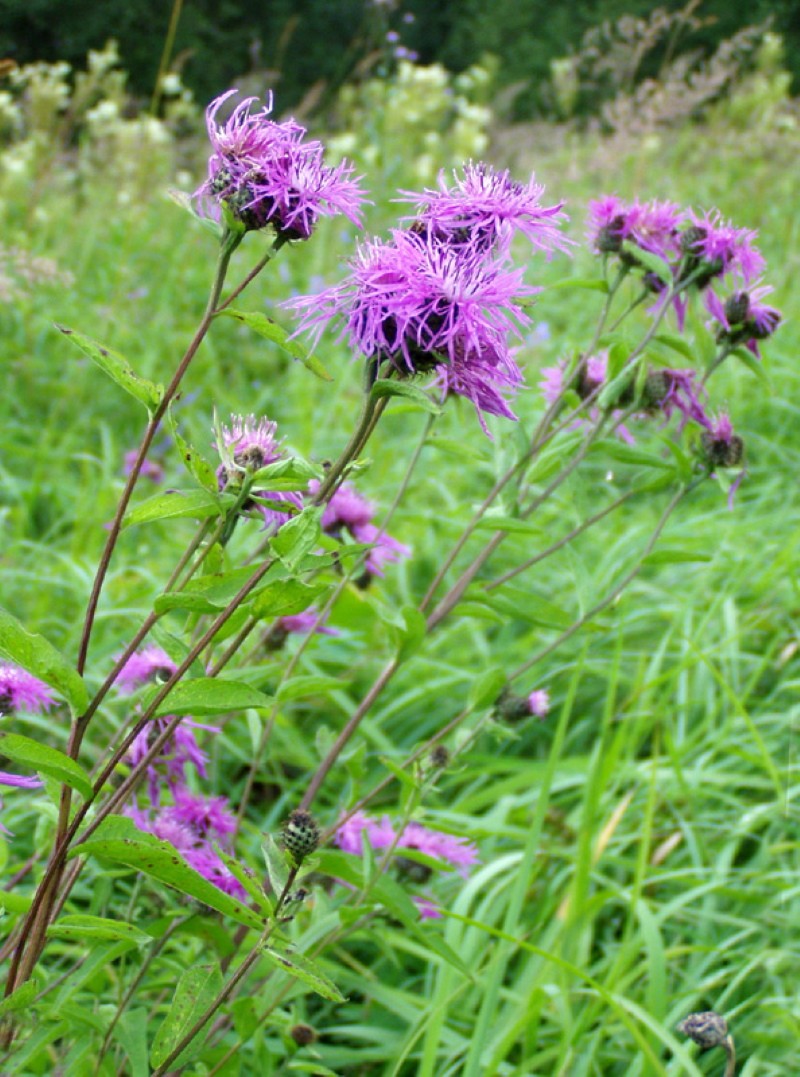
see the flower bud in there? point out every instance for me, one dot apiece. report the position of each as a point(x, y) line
point(737, 308)
point(440, 756)
point(303, 1035)
point(300, 834)
point(708, 1029)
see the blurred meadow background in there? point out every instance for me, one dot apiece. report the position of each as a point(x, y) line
point(638, 848)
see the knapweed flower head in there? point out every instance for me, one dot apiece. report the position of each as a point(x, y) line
point(418, 302)
point(721, 447)
point(484, 208)
point(539, 703)
point(151, 664)
point(150, 469)
point(589, 376)
point(458, 853)
point(295, 624)
point(743, 318)
point(21, 691)
point(248, 445)
point(348, 512)
point(652, 226)
point(270, 173)
point(673, 391)
point(713, 247)
point(179, 752)
point(191, 824)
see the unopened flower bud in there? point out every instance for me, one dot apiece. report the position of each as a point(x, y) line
point(737, 307)
point(303, 1035)
point(440, 756)
point(708, 1029)
point(656, 389)
point(724, 449)
point(300, 834)
point(609, 238)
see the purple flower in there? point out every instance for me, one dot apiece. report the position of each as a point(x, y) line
point(485, 207)
point(21, 691)
point(350, 835)
point(720, 445)
point(591, 376)
point(348, 511)
point(420, 302)
point(269, 173)
point(676, 390)
point(180, 751)
point(721, 248)
point(205, 816)
point(385, 549)
point(20, 781)
point(650, 225)
point(149, 469)
point(206, 863)
point(539, 703)
point(743, 318)
point(427, 909)
point(248, 445)
point(302, 623)
point(150, 664)
point(458, 852)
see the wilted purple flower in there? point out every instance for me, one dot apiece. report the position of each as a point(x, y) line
point(485, 207)
point(539, 703)
point(249, 444)
point(268, 173)
point(743, 318)
point(721, 446)
point(420, 302)
point(21, 691)
point(676, 390)
point(150, 664)
point(717, 245)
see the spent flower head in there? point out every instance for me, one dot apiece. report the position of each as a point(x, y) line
point(269, 173)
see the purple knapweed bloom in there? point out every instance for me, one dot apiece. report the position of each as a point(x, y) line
point(590, 376)
point(21, 691)
point(714, 244)
point(347, 511)
point(677, 390)
point(419, 302)
point(179, 752)
point(351, 833)
point(539, 703)
point(742, 317)
point(149, 469)
point(485, 208)
point(248, 445)
point(456, 852)
point(150, 664)
point(205, 816)
point(295, 623)
point(269, 174)
point(650, 225)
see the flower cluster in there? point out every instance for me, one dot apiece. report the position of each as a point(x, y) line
point(248, 445)
point(702, 252)
point(348, 512)
point(441, 295)
point(458, 853)
point(175, 814)
point(269, 173)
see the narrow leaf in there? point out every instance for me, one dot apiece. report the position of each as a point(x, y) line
point(265, 327)
point(591, 284)
point(46, 760)
point(389, 387)
point(197, 466)
point(197, 504)
point(22, 997)
point(277, 865)
point(303, 969)
point(297, 537)
point(196, 990)
point(117, 368)
point(84, 928)
point(649, 260)
point(209, 696)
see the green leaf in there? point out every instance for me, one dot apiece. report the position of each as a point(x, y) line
point(285, 597)
point(22, 997)
point(676, 343)
point(649, 261)
point(208, 696)
point(46, 760)
point(206, 594)
point(412, 633)
point(39, 657)
point(674, 556)
point(196, 990)
point(197, 504)
point(131, 1033)
point(302, 968)
point(509, 524)
point(312, 684)
point(459, 449)
point(119, 840)
point(248, 880)
point(293, 473)
point(389, 387)
point(265, 327)
point(591, 284)
point(630, 454)
point(277, 865)
point(176, 649)
point(117, 368)
point(297, 537)
point(746, 358)
point(197, 466)
point(84, 928)
point(524, 606)
point(486, 688)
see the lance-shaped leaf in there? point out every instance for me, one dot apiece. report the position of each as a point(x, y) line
point(302, 968)
point(208, 696)
point(270, 330)
point(83, 928)
point(46, 760)
point(411, 393)
point(39, 657)
point(119, 840)
point(118, 369)
point(196, 990)
point(196, 504)
point(197, 466)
